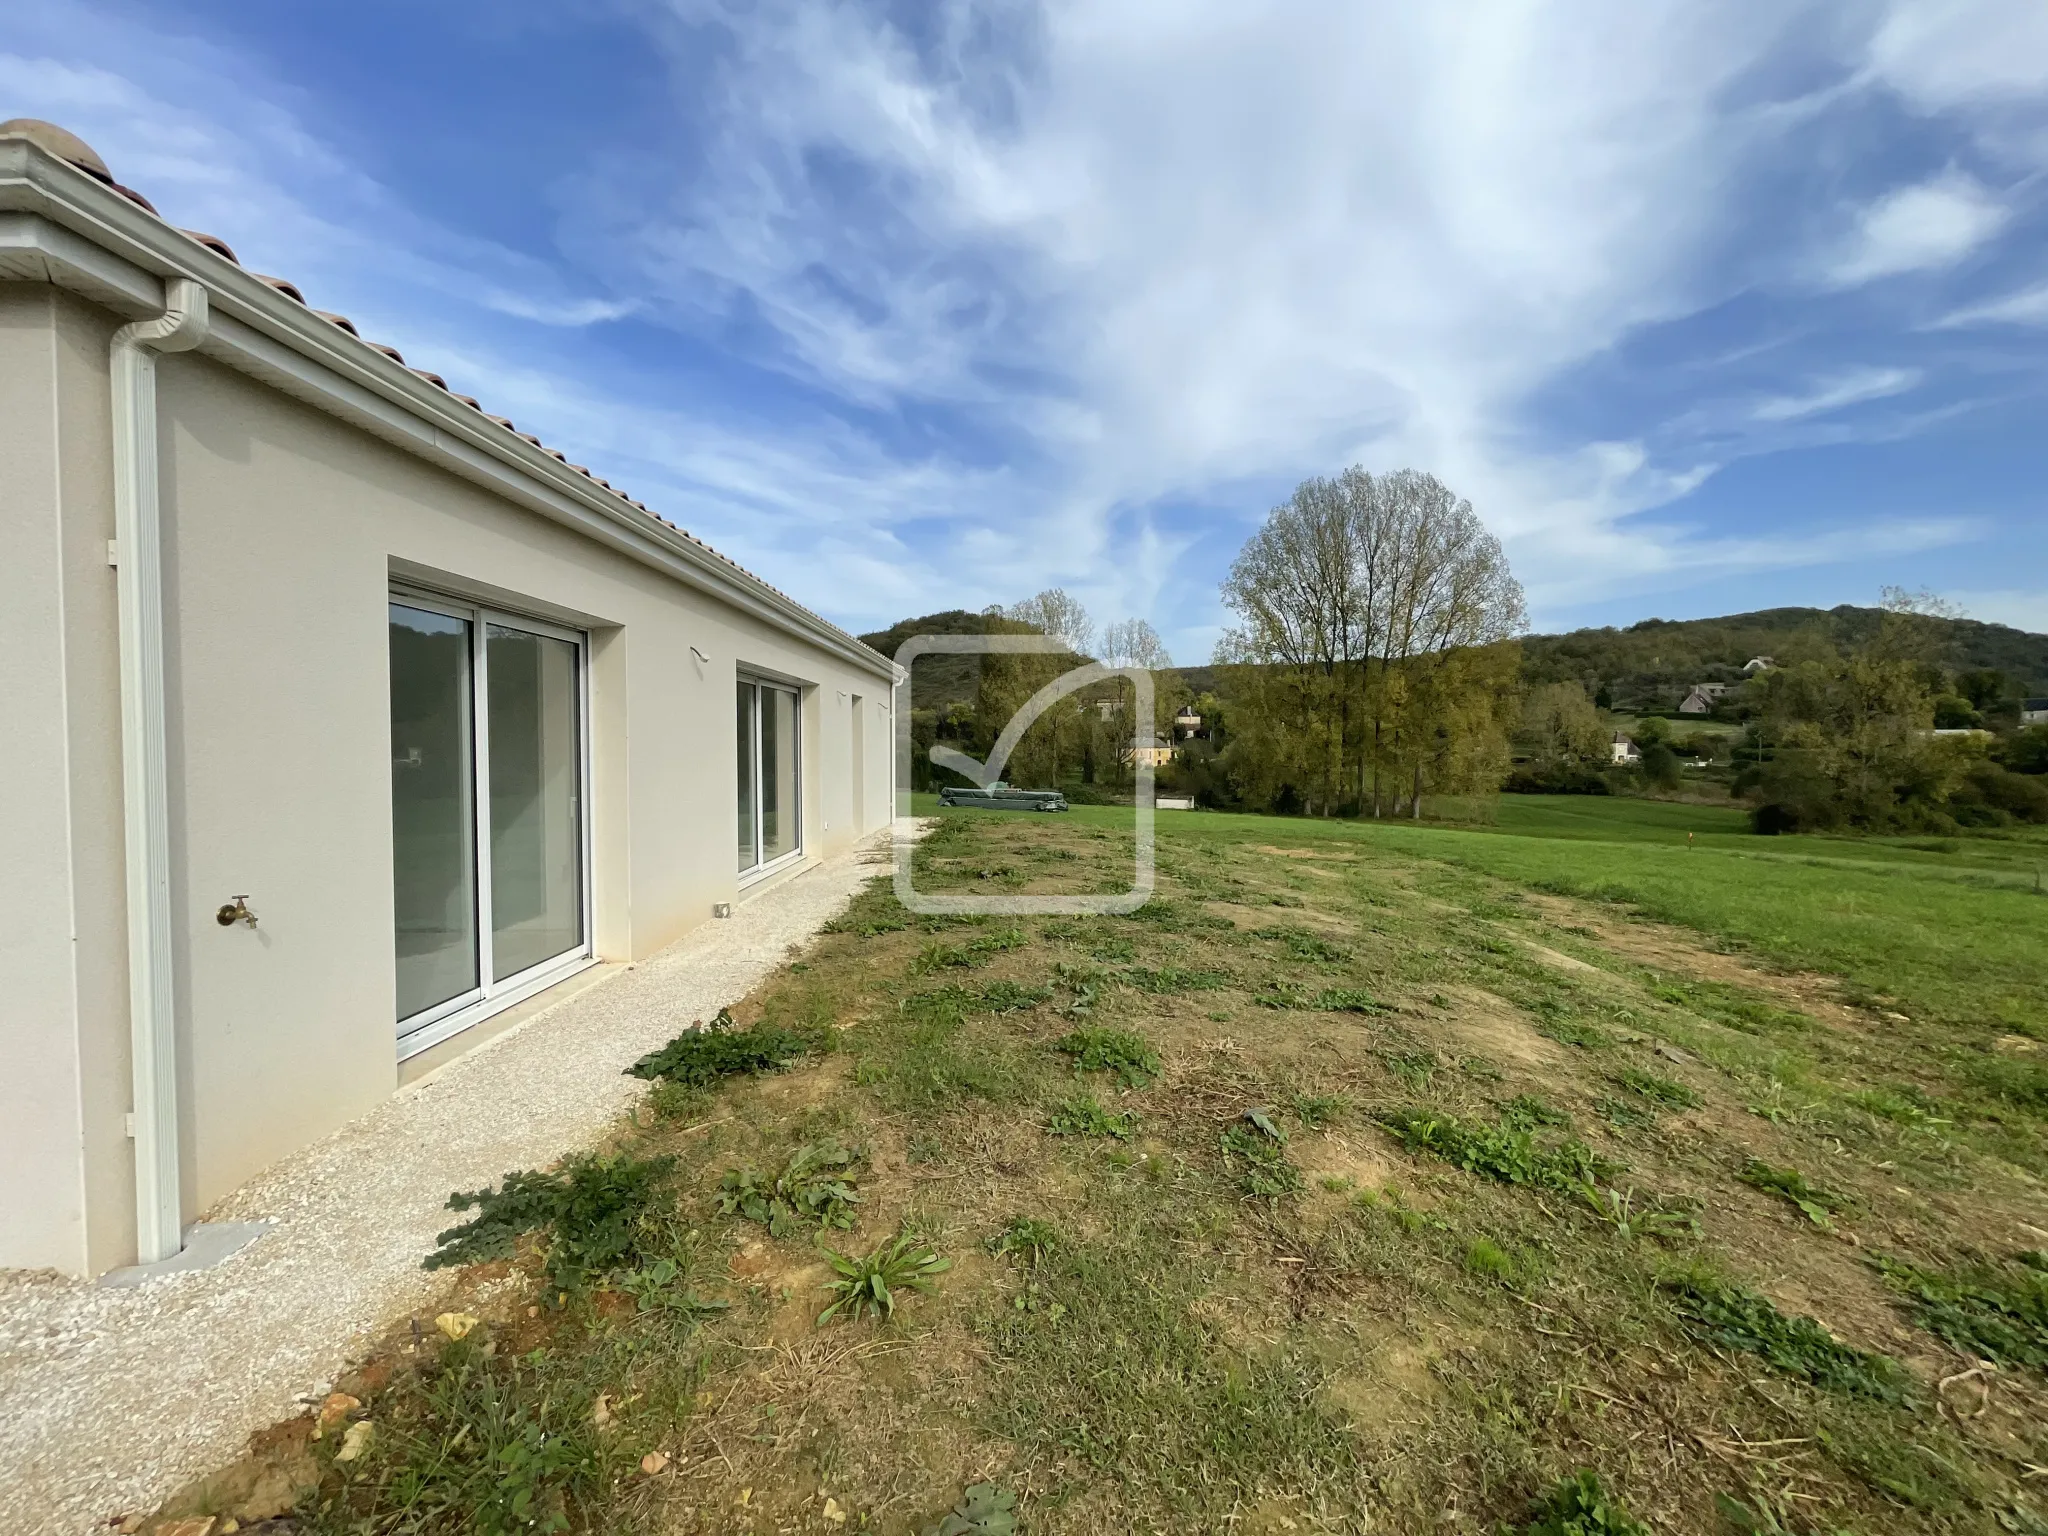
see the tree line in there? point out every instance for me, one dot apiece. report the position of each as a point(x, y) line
point(1376, 662)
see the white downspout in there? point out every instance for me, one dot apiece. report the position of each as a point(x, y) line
point(145, 798)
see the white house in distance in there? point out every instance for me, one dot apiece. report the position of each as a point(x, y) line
point(1623, 749)
point(2034, 712)
point(346, 721)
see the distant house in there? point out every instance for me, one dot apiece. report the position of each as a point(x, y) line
point(2034, 711)
point(1187, 722)
point(1702, 699)
point(1757, 664)
point(1157, 755)
point(1624, 749)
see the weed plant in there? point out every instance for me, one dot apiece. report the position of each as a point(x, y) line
point(1256, 1151)
point(869, 1285)
point(595, 1211)
point(1526, 1112)
point(1726, 1316)
point(1319, 1111)
point(498, 1445)
point(1580, 1506)
point(1995, 1311)
point(1817, 1205)
point(813, 1190)
point(1660, 1091)
point(1025, 1239)
point(1082, 1116)
point(1503, 1152)
point(1094, 1049)
point(983, 1510)
point(705, 1054)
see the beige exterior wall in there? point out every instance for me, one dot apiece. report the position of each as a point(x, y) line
point(285, 528)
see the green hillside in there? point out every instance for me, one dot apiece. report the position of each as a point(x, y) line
point(938, 680)
point(1651, 665)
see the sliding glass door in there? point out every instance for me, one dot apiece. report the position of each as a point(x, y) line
point(489, 849)
point(770, 774)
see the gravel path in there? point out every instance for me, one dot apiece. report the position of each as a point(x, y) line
point(110, 1400)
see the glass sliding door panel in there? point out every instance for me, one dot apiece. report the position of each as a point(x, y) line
point(433, 809)
point(778, 773)
point(536, 798)
point(743, 726)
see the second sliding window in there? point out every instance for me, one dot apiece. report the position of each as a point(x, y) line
point(770, 774)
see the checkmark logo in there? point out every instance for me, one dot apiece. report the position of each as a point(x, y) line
point(984, 774)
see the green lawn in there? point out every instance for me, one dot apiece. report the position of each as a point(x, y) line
point(1356, 1182)
point(1951, 928)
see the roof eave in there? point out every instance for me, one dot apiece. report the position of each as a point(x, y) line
point(60, 226)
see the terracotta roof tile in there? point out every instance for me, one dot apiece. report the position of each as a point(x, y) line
point(213, 243)
point(283, 285)
point(341, 320)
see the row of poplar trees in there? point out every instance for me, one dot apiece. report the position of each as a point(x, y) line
point(1373, 659)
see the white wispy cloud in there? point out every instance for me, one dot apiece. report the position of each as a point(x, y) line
point(2029, 306)
point(1931, 225)
point(1853, 387)
point(1070, 291)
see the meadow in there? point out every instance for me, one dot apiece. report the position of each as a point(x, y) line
point(1556, 1175)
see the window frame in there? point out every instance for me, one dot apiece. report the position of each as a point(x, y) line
point(759, 870)
point(430, 1026)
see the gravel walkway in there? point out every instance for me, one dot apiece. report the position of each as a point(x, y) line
point(110, 1400)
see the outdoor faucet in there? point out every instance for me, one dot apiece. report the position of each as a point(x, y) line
point(236, 911)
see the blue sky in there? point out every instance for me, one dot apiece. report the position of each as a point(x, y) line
point(1705, 307)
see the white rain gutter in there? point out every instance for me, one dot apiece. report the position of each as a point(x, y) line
point(145, 798)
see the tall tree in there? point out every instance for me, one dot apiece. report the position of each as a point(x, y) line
point(1055, 612)
point(1447, 588)
point(1352, 599)
point(1133, 643)
point(1294, 587)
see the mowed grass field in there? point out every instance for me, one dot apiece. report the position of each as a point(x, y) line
point(1552, 1176)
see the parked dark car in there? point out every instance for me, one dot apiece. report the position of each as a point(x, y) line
point(1002, 797)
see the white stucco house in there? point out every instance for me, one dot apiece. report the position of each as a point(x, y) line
point(346, 720)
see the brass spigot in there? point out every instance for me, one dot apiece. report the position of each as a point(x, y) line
point(236, 911)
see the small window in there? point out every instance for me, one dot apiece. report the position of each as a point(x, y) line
point(770, 780)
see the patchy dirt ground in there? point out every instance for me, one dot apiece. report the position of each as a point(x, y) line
point(1332, 1191)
